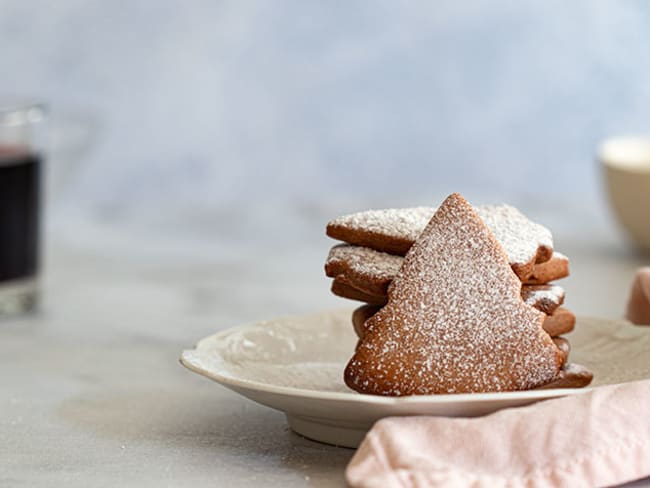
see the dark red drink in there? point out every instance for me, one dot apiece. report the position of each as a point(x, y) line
point(20, 174)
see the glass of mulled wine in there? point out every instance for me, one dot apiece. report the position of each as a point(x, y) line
point(21, 159)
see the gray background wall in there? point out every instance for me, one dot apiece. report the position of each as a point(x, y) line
point(213, 103)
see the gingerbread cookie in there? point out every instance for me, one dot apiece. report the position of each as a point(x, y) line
point(394, 230)
point(564, 347)
point(561, 322)
point(365, 268)
point(360, 316)
point(555, 268)
point(571, 376)
point(524, 241)
point(455, 320)
point(372, 271)
point(342, 288)
point(546, 298)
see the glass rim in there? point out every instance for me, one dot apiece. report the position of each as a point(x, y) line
point(21, 111)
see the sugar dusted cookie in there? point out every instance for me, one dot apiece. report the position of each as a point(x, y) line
point(363, 268)
point(546, 298)
point(455, 321)
point(360, 316)
point(374, 270)
point(571, 376)
point(524, 241)
point(555, 268)
point(394, 230)
point(371, 271)
point(561, 322)
point(564, 347)
point(343, 288)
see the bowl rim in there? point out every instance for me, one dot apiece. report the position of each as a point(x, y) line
point(637, 161)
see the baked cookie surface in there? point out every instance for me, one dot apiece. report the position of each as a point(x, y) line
point(394, 231)
point(455, 321)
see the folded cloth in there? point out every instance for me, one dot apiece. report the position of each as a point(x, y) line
point(638, 306)
point(597, 438)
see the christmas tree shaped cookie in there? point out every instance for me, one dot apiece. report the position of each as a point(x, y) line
point(455, 321)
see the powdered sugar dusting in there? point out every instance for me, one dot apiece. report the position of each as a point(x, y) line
point(535, 293)
point(398, 223)
point(546, 298)
point(372, 272)
point(519, 236)
point(362, 261)
point(559, 256)
point(454, 321)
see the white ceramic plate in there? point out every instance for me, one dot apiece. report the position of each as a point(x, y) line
point(296, 364)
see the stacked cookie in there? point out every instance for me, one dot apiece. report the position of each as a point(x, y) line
point(376, 241)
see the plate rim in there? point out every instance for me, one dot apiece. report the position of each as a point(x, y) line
point(352, 396)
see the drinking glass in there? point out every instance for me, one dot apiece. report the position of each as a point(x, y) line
point(21, 160)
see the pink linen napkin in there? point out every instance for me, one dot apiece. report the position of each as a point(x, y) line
point(597, 438)
point(638, 306)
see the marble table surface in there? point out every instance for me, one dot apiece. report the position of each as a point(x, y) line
point(92, 391)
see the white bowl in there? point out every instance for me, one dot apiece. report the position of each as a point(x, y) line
point(626, 161)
